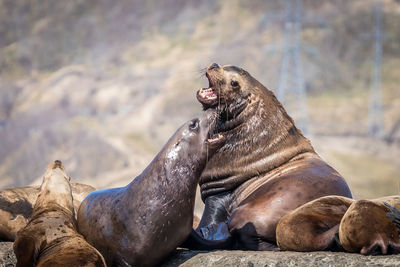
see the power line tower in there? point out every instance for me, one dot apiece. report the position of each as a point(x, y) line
point(291, 87)
point(375, 115)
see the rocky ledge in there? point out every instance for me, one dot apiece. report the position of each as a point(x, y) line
point(249, 258)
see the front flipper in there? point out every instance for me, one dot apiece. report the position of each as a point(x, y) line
point(214, 236)
point(25, 251)
point(394, 215)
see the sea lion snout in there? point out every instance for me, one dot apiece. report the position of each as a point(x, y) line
point(56, 164)
point(212, 66)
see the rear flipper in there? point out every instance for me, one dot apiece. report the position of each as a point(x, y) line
point(394, 215)
point(25, 251)
point(214, 236)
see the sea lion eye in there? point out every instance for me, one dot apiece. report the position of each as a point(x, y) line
point(234, 84)
point(194, 124)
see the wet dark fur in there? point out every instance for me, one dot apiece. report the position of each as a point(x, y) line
point(141, 223)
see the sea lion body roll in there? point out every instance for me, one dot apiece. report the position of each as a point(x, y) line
point(16, 206)
point(265, 169)
point(366, 229)
point(141, 223)
point(50, 237)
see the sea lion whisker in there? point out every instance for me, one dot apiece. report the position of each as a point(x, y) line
point(201, 75)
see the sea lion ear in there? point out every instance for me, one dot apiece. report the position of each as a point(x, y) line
point(25, 251)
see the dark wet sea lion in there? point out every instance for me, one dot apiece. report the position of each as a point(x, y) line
point(265, 169)
point(141, 223)
point(366, 229)
point(16, 206)
point(313, 226)
point(50, 237)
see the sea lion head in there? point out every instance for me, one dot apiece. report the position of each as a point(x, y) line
point(230, 89)
point(195, 141)
point(56, 187)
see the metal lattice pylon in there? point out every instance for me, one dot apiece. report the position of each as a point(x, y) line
point(375, 115)
point(291, 87)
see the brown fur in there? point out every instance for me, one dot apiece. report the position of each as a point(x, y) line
point(312, 226)
point(50, 237)
point(366, 229)
point(16, 207)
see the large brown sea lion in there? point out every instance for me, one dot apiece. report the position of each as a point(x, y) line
point(366, 229)
point(141, 223)
point(16, 207)
point(50, 237)
point(265, 169)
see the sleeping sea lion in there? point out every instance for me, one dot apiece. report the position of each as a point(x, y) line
point(366, 229)
point(50, 237)
point(16, 206)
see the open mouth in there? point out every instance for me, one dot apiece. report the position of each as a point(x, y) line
point(208, 96)
point(215, 140)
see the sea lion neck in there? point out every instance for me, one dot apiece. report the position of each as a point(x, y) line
point(261, 138)
point(178, 159)
point(176, 164)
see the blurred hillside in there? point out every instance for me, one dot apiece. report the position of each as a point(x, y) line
point(101, 85)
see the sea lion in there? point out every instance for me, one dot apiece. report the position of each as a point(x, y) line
point(313, 226)
point(366, 229)
point(50, 237)
point(16, 207)
point(265, 169)
point(141, 223)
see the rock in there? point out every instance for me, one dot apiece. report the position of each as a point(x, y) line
point(269, 258)
point(183, 258)
point(7, 256)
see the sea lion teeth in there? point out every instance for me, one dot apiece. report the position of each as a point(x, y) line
point(218, 137)
point(211, 96)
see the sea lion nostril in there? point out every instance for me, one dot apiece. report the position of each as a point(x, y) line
point(213, 66)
